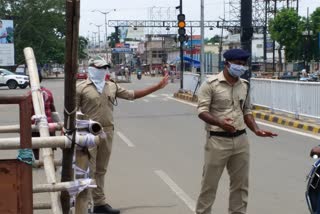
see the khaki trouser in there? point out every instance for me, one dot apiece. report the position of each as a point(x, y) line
point(221, 152)
point(98, 163)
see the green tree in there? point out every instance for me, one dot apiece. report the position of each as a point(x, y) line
point(83, 44)
point(214, 39)
point(286, 28)
point(315, 29)
point(37, 24)
point(112, 40)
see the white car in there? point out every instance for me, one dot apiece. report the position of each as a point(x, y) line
point(12, 80)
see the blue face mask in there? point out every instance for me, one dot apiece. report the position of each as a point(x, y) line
point(97, 76)
point(236, 70)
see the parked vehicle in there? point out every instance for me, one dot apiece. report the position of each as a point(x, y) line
point(310, 78)
point(82, 75)
point(12, 80)
point(139, 74)
point(22, 70)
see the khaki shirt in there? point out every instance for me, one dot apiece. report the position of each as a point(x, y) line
point(99, 107)
point(223, 100)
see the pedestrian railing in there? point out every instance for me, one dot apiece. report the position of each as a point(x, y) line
point(295, 97)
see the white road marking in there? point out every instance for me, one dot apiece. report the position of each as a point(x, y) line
point(131, 101)
point(290, 130)
point(145, 100)
point(177, 190)
point(166, 95)
point(125, 139)
point(182, 101)
point(165, 99)
point(152, 95)
point(317, 137)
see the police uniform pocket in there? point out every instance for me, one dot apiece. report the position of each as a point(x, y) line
point(222, 104)
point(111, 101)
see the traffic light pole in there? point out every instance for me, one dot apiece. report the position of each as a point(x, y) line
point(181, 55)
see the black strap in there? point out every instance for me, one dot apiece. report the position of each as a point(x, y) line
point(228, 134)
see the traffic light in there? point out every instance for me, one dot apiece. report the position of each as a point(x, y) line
point(182, 25)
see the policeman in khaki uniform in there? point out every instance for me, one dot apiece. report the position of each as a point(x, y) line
point(95, 99)
point(224, 104)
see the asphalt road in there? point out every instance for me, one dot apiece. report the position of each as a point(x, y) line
point(157, 158)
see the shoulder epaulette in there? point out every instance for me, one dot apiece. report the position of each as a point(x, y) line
point(80, 83)
point(212, 78)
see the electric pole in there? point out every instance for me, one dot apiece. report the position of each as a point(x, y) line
point(202, 77)
point(246, 31)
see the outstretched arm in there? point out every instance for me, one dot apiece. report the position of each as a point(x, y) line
point(251, 123)
point(144, 92)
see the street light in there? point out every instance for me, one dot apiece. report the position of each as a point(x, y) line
point(105, 13)
point(98, 26)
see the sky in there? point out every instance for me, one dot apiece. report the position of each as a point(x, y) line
point(139, 10)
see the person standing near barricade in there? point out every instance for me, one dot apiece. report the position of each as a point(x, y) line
point(224, 105)
point(51, 114)
point(95, 98)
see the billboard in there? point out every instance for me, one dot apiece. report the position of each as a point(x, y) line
point(121, 50)
point(6, 43)
point(136, 33)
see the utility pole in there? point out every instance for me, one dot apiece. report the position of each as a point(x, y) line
point(191, 47)
point(94, 42)
point(274, 42)
point(202, 76)
point(106, 28)
point(306, 55)
point(98, 26)
point(246, 31)
point(71, 67)
point(265, 35)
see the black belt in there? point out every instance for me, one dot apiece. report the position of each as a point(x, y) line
point(228, 134)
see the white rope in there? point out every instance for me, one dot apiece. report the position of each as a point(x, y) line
point(35, 88)
point(68, 118)
point(80, 185)
point(37, 118)
point(79, 171)
point(88, 140)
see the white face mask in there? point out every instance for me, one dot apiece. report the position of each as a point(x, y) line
point(97, 76)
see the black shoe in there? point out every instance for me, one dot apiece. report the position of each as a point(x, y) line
point(106, 209)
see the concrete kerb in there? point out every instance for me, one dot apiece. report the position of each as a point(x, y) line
point(287, 121)
point(258, 112)
point(186, 96)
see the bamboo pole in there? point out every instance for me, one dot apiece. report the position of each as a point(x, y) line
point(39, 163)
point(16, 128)
point(38, 105)
point(42, 206)
point(37, 142)
point(63, 186)
point(71, 67)
point(44, 142)
point(82, 200)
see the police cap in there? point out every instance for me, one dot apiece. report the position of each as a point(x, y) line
point(235, 54)
point(98, 62)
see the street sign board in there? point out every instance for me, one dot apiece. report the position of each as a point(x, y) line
point(121, 50)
